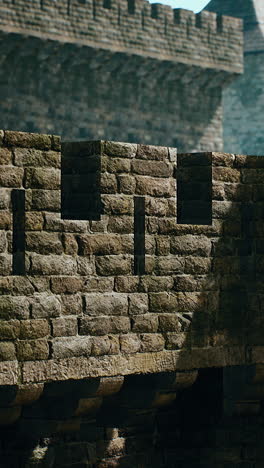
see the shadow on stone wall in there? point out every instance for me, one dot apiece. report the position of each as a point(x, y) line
point(132, 429)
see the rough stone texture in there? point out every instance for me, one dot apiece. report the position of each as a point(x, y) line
point(90, 350)
point(243, 100)
point(79, 277)
point(172, 66)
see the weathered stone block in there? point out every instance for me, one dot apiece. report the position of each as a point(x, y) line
point(44, 243)
point(45, 305)
point(125, 150)
point(70, 244)
point(106, 304)
point(126, 283)
point(98, 226)
point(129, 343)
point(115, 165)
point(5, 198)
point(36, 158)
point(5, 156)
point(163, 302)
point(188, 283)
point(191, 301)
point(157, 153)
point(105, 244)
point(104, 325)
point(199, 246)
point(11, 176)
point(53, 265)
point(5, 265)
point(176, 340)
point(33, 329)
point(155, 187)
point(85, 265)
point(64, 326)
point(45, 200)
point(3, 242)
point(5, 219)
point(169, 265)
point(16, 285)
point(168, 323)
point(9, 330)
point(71, 304)
point(151, 342)
point(145, 323)
point(34, 221)
point(42, 178)
point(138, 303)
point(226, 174)
point(32, 350)
point(98, 284)
point(226, 209)
point(14, 307)
point(113, 265)
point(197, 265)
point(40, 284)
point(156, 206)
point(127, 184)
point(152, 168)
point(105, 345)
point(108, 183)
point(150, 245)
point(66, 284)
point(223, 159)
point(7, 351)
point(71, 346)
point(117, 205)
point(163, 245)
point(121, 224)
point(28, 140)
point(156, 283)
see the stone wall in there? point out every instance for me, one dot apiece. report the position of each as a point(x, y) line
point(127, 70)
point(243, 100)
point(133, 27)
point(73, 280)
point(119, 295)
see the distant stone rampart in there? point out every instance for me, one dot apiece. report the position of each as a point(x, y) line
point(133, 27)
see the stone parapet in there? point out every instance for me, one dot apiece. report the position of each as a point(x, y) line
point(108, 268)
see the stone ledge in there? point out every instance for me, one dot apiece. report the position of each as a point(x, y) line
point(145, 363)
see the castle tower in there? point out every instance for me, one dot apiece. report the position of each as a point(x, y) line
point(244, 99)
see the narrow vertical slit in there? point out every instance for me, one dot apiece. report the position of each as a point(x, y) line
point(119, 15)
point(19, 237)
point(69, 7)
point(94, 9)
point(131, 6)
point(42, 4)
point(166, 25)
point(139, 235)
point(143, 19)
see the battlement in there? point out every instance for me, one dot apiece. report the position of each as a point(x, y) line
point(131, 26)
point(127, 276)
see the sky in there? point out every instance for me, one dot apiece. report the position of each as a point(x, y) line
point(195, 5)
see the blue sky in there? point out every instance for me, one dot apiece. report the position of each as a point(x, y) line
point(195, 5)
